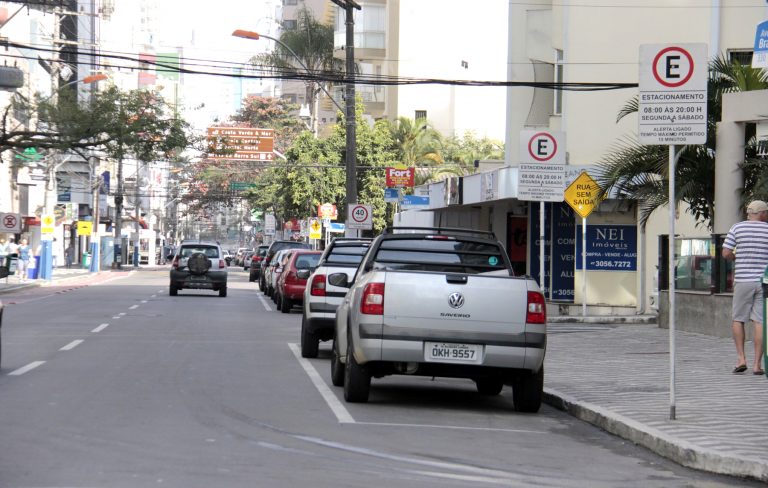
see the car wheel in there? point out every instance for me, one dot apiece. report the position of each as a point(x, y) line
point(261, 285)
point(309, 343)
point(527, 391)
point(251, 278)
point(357, 381)
point(489, 386)
point(223, 291)
point(285, 304)
point(337, 367)
point(172, 290)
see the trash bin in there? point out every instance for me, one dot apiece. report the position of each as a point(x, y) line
point(33, 270)
point(86, 260)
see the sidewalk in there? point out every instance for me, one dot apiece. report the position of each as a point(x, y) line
point(616, 376)
point(12, 283)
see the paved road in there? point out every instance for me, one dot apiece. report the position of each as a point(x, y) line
point(119, 385)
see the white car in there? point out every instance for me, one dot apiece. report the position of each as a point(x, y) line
point(343, 255)
point(440, 302)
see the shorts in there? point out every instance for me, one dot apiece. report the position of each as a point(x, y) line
point(748, 301)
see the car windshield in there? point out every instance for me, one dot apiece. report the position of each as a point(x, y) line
point(346, 254)
point(307, 261)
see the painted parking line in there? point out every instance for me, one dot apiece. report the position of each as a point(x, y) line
point(144, 301)
point(26, 369)
point(264, 302)
point(121, 314)
point(100, 328)
point(341, 413)
point(133, 307)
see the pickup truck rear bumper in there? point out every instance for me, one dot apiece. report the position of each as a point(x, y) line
point(400, 344)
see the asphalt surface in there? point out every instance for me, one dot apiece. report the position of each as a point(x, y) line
point(110, 382)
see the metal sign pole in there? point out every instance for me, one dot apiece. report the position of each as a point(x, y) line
point(671, 273)
point(584, 267)
point(541, 248)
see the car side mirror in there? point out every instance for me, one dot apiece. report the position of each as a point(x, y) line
point(303, 274)
point(339, 279)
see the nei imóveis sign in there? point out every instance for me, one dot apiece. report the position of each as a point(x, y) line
point(582, 194)
point(242, 143)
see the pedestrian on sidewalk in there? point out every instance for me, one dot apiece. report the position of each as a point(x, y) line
point(25, 253)
point(3, 250)
point(747, 244)
point(68, 255)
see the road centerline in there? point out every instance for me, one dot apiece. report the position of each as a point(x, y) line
point(72, 345)
point(100, 328)
point(25, 369)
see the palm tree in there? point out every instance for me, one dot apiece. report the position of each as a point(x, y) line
point(640, 172)
point(307, 48)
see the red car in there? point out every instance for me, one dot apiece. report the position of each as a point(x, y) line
point(292, 281)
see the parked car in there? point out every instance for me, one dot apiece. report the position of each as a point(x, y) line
point(255, 269)
point(227, 256)
point(198, 265)
point(1, 332)
point(293, 280)
point(247, 260)
point(273, 248)
point(342, 255)
point(273, 271)
point(239, 256)
point(440, 302)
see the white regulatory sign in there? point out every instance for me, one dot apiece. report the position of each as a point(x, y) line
point(541, 173)
point(10, 223)
point(672, 107)
point(360, 217)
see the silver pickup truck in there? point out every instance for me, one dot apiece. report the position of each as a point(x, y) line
point(440, 302)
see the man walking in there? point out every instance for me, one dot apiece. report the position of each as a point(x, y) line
point(747, 244)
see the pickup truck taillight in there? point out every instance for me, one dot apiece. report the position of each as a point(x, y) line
point(317, 288)
point(537, 308)
point(372, 302)
point(175, 263)
point(222, 263)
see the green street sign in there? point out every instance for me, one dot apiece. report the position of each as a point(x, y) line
point(241, 185)
point(29, 154)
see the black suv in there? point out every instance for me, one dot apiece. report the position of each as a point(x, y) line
point(273, 248)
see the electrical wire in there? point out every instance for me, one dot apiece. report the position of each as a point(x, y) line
point(326, 76)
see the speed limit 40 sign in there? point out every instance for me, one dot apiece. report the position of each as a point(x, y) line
point(359, 217)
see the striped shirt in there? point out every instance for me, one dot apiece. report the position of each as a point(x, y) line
point(750, 241)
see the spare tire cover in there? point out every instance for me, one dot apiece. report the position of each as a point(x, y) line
point(198, 263)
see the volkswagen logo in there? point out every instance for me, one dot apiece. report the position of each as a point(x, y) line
point(456, 300)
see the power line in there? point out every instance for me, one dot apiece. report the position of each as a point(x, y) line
point(376, 80)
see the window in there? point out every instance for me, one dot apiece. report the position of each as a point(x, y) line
point(289, 25)
point(370, 27)
point(742, 57)
point(420, 114)
point(559, 66)
point(290, 2)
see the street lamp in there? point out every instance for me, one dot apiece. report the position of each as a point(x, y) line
point(255, 36)
point(46, 251)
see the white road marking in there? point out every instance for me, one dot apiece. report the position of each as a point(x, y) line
point(342, 415)
point(26, 369)
point(121, 314)
point(133, 307)
point(116, 317)
point(71, 345)
point(153, 296)
point(160, 291)
point(451, 427)
point(264, 302)
point(143, 301)
point(100, 328)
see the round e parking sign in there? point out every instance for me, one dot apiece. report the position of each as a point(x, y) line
point(673, 67)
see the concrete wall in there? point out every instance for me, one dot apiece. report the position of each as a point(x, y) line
point(699, 312)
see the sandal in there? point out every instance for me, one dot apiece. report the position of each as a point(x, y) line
point(758, 372)
point(740, 369)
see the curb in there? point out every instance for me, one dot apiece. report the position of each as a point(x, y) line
point(680, 451)
point(602, 319)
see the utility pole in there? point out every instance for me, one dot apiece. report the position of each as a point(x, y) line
point(137, 226)
point(351, 124)
point(117, 262)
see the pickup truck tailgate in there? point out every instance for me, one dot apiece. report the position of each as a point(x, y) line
point(442, 302)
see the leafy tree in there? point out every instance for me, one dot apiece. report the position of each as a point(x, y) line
point(309, 49)
point(418, 142)
point(640, 172)
point(271, 113)
point(315, 173)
